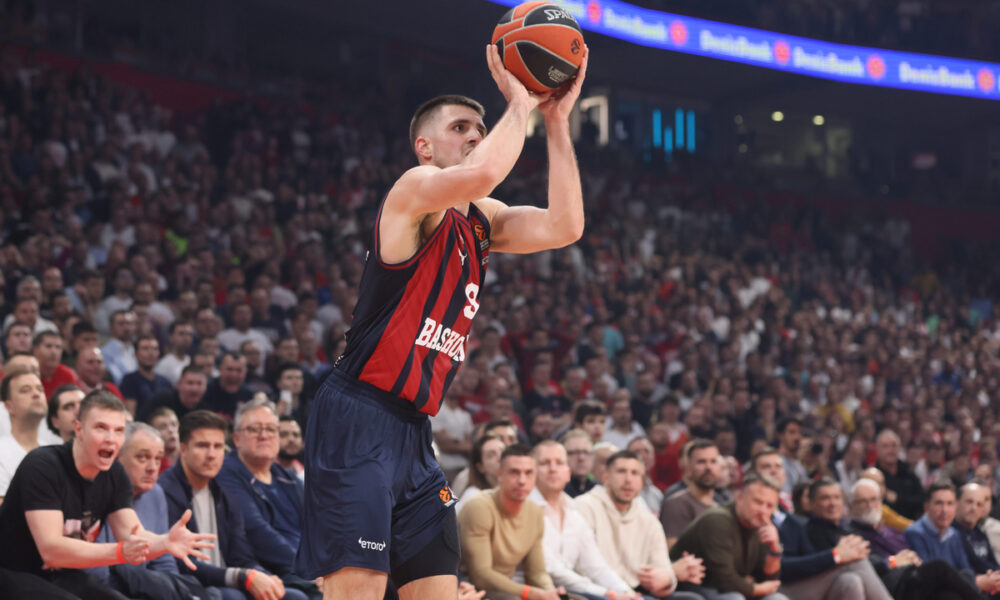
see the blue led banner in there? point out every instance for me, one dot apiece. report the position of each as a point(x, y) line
point(839, 62)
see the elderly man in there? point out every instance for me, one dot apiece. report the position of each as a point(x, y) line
point(571, 554)
point(904, 492)
point(578, 447)
point(904, 574)
point(269, 495)
point(630, 537)
point(890, 517)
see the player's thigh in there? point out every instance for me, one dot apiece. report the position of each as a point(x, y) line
point(437, 586)
point(353, 583)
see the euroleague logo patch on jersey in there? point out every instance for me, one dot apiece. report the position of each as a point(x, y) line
point(447, 496)
point(480, 231)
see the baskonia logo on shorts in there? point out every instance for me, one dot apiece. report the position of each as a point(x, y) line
point(447, 496)
point(377, 546)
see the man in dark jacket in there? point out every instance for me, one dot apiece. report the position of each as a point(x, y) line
point(190, 484)
point(269, 495)
point(904, 493)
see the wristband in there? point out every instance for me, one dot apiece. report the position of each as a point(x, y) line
point(892, 562)
point(119, 554)
point(525, 592)
point(250, 577)
point(610, 594)
point(836, 557)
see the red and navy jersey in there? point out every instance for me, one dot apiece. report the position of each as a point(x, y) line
point(411, 324)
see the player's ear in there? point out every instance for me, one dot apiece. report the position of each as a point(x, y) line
point(423, 147)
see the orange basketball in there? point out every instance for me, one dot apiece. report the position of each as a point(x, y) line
point(540, 43)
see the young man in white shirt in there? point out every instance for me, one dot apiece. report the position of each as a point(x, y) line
point(22, 393)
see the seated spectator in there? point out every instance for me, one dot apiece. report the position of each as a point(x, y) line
point(650, 494)
point(578, 446)
point(502, 429)
point(181, 336)
point(589, 416)
point(789, 442)
point(227, 391)
point(499, 408)
point(22, 393)
point(141, 454)
point(269, 496)
point(141, 386)
point(255, 368)
point(84, 335)
point(289, 398)
point(164, 420)
point(93, 375)
point(933, 536)
point(848, 468)
point(191, 486)
point(50, 517)
point(17, 338)
point(64, 405)
point(541, 426)
point(47, 347)
point(903, 489)
point(291, 446)
point(119, 351)
point(241, 331)
point(630, 538)
point(484, 468)
point(27, 311)
point(889, 516)
point(739, 544)
point(452, 428)
point(904, 574)
point(542, 392)
point(599, 457)
point(189, 394)
point(501, 531)
point(287, 351)
point(701, 476)
point(571, 554)
point(620, 429)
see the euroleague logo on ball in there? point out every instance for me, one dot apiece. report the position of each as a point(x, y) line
point(574, 46)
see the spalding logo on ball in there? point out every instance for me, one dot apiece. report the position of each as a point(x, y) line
point(540, 43)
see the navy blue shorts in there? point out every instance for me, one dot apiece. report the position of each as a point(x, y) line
point(374, 493)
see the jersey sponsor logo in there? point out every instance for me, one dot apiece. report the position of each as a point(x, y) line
point(435, 336)
point(447, 496)
point(365, 544)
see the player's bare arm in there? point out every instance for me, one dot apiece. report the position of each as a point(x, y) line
point(524, 229)
point(444, 180)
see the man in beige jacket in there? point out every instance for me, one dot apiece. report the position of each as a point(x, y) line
point(630, 536)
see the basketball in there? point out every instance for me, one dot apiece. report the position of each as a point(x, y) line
point(540, 43)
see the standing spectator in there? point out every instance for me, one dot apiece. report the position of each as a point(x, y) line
point(571, 554)
point(47, 347)
point(629, 536)
point(903, 489)
point(501, 531)
point(291, 446)
point(620, 428)
point(581, 461)
point(789, 442)
point(227, 391)
point(64, 406)
point(140, 386)
point(93, 375)
point(181, 336)
point(22, 393)
point(119, 351)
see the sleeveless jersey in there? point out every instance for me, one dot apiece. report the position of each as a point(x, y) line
point(411, 324)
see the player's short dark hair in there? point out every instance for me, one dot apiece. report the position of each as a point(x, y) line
point(99, 399)
point(588, 408)
point(40, 338)
point(201, 419)
point(785, 422)
point(427, 110)
point(54, 403)
point(937, 486)
point(515, 450)
point(622, 455)
point(10, 376)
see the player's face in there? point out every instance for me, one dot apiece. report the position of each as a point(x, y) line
point(203, 453)
point(102, 433)
point(553, 468)
point(141, 459)
point(453, 134)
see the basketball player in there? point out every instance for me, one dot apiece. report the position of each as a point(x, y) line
point(376, 501)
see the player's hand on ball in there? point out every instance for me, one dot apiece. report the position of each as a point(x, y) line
point(560, 103)
point(510, 86)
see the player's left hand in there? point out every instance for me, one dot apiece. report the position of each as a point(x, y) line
point(560, 103)
point(183, 543)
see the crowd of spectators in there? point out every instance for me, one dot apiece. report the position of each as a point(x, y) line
point(203, 271)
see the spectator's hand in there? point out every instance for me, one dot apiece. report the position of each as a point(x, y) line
point(183, 543)
point(560, 103)
point(989, 582)
point(689, 568)
point(852, 548)
point(540, 594)
point(654, 579)
point(135, 549)
point(907, 557)
point(766, 587)
point(266, 587)
point(467, 591)
point(768, 534)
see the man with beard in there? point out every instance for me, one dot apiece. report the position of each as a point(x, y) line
point(290, 445)
point(702, 470)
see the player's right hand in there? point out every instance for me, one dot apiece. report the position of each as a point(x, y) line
point(511, 87)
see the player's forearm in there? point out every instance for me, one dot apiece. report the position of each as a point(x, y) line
point(497, 154)
point(565, 208)
point(68, 553)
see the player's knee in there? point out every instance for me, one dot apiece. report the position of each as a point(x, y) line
point(439, 557)
point(354, 582)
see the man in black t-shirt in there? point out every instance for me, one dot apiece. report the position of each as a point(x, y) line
point(227, 392)
point(58, 501)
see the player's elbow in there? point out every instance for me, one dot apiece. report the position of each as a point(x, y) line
point(569, 232)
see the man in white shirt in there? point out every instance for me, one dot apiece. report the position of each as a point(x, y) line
point(621, 429)
point(241, 331)
point(24, 396)
point(177, 357)
point(571, 554)
point(452, 428)
point(119, 351)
